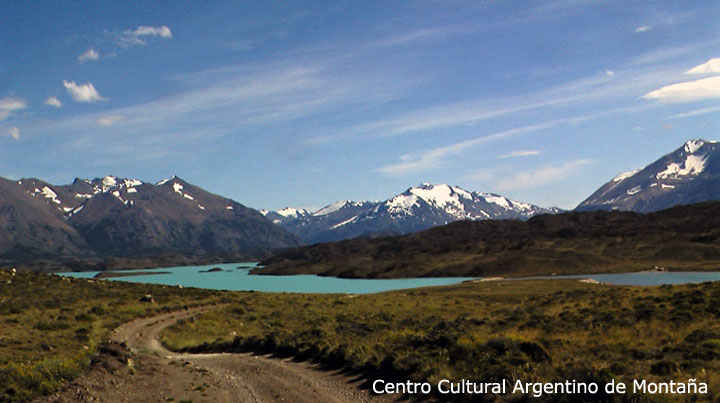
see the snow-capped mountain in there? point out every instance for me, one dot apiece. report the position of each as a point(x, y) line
point(113, 216)
point(285, 214)
point(689, 174)
point(416, 209)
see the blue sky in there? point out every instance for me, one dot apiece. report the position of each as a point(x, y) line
point(300, 104)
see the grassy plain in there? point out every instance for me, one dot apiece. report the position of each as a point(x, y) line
point(530, 330)
point(51, 326)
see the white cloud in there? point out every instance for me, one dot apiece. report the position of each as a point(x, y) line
point(83, 92)
point(89, 54)
point(434, 157)
point(643, 28)
point(688, 91)
point(414, 162)
point(109, 120)
point(136, 37)
point(542, 176)
point(53, 101)
point(696, 112)
point(14, 132)
point(521, 153)
point(711, 66)
point(418, 36)
point(8, 106)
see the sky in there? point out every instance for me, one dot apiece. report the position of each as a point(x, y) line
point(300, 104)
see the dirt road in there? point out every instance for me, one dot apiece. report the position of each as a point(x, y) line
point(152, 373)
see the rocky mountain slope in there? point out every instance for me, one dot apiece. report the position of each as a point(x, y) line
point(416, 209)
point(114, 217)
point(687, 175)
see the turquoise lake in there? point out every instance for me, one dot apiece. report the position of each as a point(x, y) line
point(644, 278)
point(237, 277)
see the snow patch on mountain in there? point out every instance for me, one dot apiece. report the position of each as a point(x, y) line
point(348, 221)
point(166, 180)
point(686, 175)
point(634, 190)
point(691, 146)
point(693, 165)
point(402, 204)
point(625, 175)
point(499, 200)
point(291, 212)
point(331, 208)
point(109, 181)
point(49, 194)
point(442, 196)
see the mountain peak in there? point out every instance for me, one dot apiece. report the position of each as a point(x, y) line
point(686, 175)
point(80, 180)
point(417, 208)
point(692, 146)
point(292, 212)
point(333, 207)
point(173, 179)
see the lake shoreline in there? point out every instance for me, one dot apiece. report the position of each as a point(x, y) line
point(239, 277)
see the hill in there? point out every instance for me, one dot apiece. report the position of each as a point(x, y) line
point(683, 237)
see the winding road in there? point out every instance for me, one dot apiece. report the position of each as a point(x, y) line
point(163, 375)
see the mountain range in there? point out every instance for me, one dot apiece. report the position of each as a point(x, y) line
point(680, 238)
point(687, 175)
point(415, 209)
point(90, 222)
point(127, 218)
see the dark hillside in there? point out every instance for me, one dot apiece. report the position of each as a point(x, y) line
point(683, 237)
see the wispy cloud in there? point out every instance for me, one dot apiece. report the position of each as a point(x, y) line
point(9, 106)
point(109, 120)
point(415, 162)
point(711, 66)
point(556, 8)
point(14, 132)
point(696, 112)
point(542, 176)
point(623, 86)
point(420, 35)
point(239, 101)
point(137, 37)
point(53, 101)
point(432, 158)
point(641, 29)
point(520, 153)
point(689, 91)
point(90, 54)
point(82, 92)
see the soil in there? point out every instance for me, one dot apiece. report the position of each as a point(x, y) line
point(134, 367)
